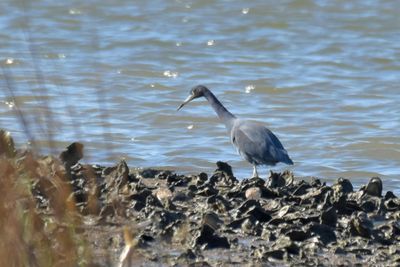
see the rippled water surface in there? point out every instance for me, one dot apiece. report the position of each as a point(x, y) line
point(323, 75)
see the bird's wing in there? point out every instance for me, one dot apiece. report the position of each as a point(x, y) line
point(258, 144)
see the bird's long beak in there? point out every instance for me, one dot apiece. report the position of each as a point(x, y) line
point(187, 100)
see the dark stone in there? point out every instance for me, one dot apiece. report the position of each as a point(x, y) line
point(284, 242)
point(201, 179)
point(236, 224)
point(207, 191)
point(138, 205)
point(210, 239)
point(276, 180)
point(180, 197)
point(141, 195)
point(346, 185)
point(298, 235)
point(149, 173)
point(315, 182)
point(329, 217)
point(301, 189)
point(152, 201)
point(325, 232)
point(212, 219)
point(389, 195)
point(276, 254)
point(360, 225)
point(188, 254)
point(163, 175)
point(164, 218)
point(116, 177)
point(192, 188)
point(71, 156)
point(370, 205)
point(218, 203)
point(224, 167)
point(178, 180)
point(340, 250)
point(245, 206)
point(392, 204)
point(374, 187)
point(259, 213)
point(146, 238)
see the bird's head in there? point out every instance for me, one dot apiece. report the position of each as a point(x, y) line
point(195, 92)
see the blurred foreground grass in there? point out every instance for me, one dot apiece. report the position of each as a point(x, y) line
point(31, 236)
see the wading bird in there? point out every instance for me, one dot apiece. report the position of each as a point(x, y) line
point(254, 142)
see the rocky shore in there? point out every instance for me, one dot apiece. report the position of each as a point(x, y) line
point(151, 217)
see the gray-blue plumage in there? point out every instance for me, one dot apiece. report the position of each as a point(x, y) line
point(253, 141)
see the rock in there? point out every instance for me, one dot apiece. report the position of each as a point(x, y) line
point(152, 202)
point(116, 177)
point(360, 225)
point(140, 195)
point(301, 189)
point(253, 193)
point(315, 195)
point(267, 234)
point(251, 226)
point(374, 187)
point(389, 195)
point(278, 254)
point(207, 190)
point(245, 206)
point(218, 203)
point(163, 194)
point(371, 204)
point(344, 185)
point(259, 213)
point(223, 175)
point(162, 175)
point(284, 242)
point(181, 197)
point(236, 224)
point(298, 234)
point(224, 167)
point(392, 204)
point(149, 173)
point(72, 154)
point(325, 233)
point(329, 217)
point(188, 254)
point(177, 180)
point(315, 182)
point(276, 180)
point(201, 179)
point(212, 219)
point(164, 219)
point(209, 239)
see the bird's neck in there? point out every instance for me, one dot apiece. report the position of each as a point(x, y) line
point(225, 116)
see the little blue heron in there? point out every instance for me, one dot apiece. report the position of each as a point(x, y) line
point(254, 142)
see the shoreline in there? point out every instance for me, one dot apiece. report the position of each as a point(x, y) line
point(150, 217)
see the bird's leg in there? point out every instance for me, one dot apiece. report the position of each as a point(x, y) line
point(255, 173)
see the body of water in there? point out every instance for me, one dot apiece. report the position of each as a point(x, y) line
point(324, 76)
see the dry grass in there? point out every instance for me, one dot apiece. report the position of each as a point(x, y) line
point(32, 236)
